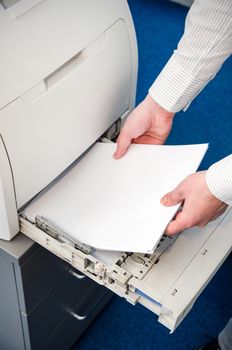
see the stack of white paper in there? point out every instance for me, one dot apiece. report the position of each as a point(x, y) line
point(115, 204)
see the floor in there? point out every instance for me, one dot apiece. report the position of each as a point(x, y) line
point(159, 25)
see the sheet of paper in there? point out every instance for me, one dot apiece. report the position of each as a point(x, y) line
point(115, 204)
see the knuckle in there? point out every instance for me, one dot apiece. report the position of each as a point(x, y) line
point(179, 190)
point(176, 193)
point(187, 222)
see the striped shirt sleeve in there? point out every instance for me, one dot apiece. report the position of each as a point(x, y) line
point(219, 179)
point(204, 46)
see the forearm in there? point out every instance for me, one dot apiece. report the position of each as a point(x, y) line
point(219, 180)
point(204, 46)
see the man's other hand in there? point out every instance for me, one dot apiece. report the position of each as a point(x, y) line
point(148, 124)
point(199, 205)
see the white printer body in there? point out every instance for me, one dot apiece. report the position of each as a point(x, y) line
point(68, 74)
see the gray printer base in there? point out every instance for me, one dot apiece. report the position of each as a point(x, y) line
point(44, 303)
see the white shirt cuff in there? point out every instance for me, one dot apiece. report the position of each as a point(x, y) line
point(219, 180)
point(174, 88)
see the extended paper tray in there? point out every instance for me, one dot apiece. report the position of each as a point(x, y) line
point(167, 282)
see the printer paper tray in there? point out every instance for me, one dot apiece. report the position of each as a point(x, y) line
point(167, 282)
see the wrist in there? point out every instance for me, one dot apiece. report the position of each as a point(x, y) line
point(156, 108)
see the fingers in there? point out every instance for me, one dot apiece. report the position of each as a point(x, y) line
point(172, 198)
point(179, 224)
point(149, 140)
point(123, 143)
point(183, 220)
point(148, 123)
point(199, 208)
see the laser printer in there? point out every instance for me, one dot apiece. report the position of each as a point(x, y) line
point(68, 76)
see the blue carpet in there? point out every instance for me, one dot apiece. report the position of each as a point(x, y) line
point(159, 25)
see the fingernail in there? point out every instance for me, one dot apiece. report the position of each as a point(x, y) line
point(164, 200)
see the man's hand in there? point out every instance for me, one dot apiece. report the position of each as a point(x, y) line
point(199, 205)
point(148, 124)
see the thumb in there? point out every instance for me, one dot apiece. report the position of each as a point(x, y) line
point(172, 198)
point(123, 143)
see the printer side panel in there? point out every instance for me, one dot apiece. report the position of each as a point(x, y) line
point(8, 212)
point(128, 20)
